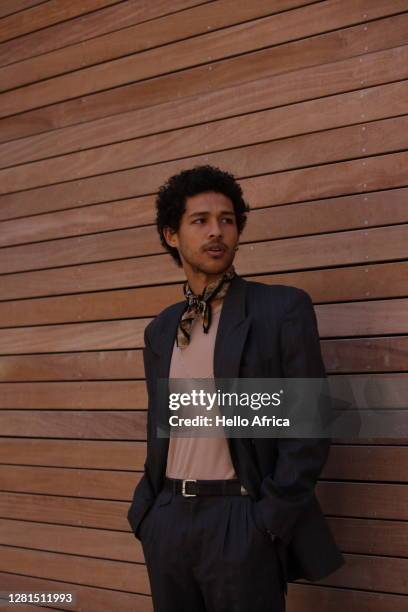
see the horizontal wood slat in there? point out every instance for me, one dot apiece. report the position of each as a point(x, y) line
point(92, 484)
point(75, 424)
point(146, 35)
point(366, 355)
point(340, 44)
point(367, 463)
point(95, 336)
point(104, 544)
point(339, 248)
point(371, 573)
point(99, 395)
point(345, 462)
point(89, 599)
point(324, 285)
point(306, 103)
point(331, 145)
point(88, 454)
point(364, 536)
point(109, 426)
point(90, 25)
point(47, 14)
point(111, 216)
point(349, 319)
point(295, 185)
point(362, 500)
point(352, 212)
point(343, 213)
point(386, 316)
point(300, 596)
point(92, 365)
point(366, 317)
point(338, 499)
point(116, 485)
point(75, 511)
point(312, 48)
point(9, 7)
point(101, 573)
point(361, 572)
point(269, 93)
point(369, 536)
point(385, 354)
point(308, 23)
point(309, 597)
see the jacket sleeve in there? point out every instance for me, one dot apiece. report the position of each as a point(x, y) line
point(289, 490)
point(143, 496)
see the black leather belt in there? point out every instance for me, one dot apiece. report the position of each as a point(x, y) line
point(191, 488)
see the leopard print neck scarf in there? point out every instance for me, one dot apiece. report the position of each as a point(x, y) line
point(200, 306)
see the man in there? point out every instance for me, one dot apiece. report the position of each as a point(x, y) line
point(225, 522)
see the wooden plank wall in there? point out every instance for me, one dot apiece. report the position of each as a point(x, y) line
point(307, 104)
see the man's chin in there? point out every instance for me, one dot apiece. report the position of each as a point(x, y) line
point(216, 267)
point(213, 268)
point(208, 265)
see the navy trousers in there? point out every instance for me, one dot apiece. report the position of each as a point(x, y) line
point(207, 554)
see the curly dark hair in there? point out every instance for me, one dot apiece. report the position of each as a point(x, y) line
point(171, 198)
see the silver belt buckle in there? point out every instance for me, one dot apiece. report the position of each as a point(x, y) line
point(243, 490)
point(183, 488)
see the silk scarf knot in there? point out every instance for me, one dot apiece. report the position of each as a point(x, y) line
point(200, 306)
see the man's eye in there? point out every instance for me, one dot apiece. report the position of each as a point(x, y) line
point(197, 220)
point(228, 219)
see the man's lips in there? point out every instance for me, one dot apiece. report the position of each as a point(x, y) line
point(216, 248)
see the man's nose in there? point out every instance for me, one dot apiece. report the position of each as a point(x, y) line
point(215, 229)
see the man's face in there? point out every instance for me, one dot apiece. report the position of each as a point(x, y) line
point(208, 234)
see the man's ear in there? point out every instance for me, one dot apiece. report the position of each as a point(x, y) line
point(170, 236)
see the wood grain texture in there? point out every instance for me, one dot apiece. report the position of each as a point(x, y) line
point(43, 15)
point(88, 598)
point(341, 44)
point(338, 499)
point(318, 251)
point(138, 38)
point(301, 24)
point(9, 7)
point(268, 93)
point(244, 157)
point(382, 354)
point(339, 284)
point(363, 572)
point(360, 175)
point(362, 536)
point(285, 221)
point(116, 484)
point(306, 103)
point(300, 596)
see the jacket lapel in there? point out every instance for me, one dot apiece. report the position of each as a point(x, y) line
point(232, 331)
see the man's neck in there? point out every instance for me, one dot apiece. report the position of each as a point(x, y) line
point(198, 281)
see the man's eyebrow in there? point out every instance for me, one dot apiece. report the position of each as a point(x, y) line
point(206, 212)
